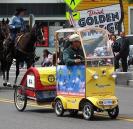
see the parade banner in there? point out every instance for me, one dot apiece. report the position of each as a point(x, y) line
point(105, 17)
point(71, 80)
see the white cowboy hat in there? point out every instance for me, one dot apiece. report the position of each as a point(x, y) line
point(74, 37)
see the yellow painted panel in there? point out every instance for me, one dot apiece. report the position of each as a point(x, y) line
point(47, 75)
point(96, 99)
point(73, 103)
point(86, 5)
point(104, 85)
point(70, 102)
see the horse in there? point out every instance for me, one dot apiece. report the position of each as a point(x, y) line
point(24, 49)
point(4, 33)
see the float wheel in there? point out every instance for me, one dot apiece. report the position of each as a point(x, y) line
point(59, 110)
point(88, 111)
point(113, 113)
point(20, 99)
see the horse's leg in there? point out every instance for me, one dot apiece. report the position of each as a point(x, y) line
point(17, 70)
point(7, 73)
point(4, 78)
point(3, 68)
point(3, 72)
point(28, 63)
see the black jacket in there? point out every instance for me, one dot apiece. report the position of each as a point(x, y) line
point(124, 47)
point(115, 47)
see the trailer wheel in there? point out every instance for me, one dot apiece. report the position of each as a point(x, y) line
point(59, 110)
point(20, 99)
point(113, 113)
point(88, 111)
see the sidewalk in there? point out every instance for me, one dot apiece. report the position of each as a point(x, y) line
point(125, 78)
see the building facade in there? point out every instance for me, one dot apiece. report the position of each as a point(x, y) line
point(51, 13)
point(110, 6)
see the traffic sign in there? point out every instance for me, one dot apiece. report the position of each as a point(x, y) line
point(72, 3)
point(76, 15)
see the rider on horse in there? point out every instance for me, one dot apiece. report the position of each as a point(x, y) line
point(17, 24)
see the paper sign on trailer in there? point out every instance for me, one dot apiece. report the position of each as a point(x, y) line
point(30, 81)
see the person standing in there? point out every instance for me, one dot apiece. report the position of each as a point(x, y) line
point(115, 45)
point(110, 41)
point(47, 58)
point(123, 53)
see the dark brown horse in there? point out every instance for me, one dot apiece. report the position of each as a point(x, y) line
point(4, 33)
point(24, 49)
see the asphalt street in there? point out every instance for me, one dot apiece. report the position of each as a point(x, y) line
point(43, 117)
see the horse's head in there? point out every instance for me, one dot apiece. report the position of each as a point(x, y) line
point(4, 28)
point(38, 31)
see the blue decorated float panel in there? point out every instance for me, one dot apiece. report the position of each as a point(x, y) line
point(71, 80)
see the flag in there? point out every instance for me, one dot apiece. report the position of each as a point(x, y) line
point(71, 20)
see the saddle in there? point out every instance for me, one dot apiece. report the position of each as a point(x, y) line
point(20, 42)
